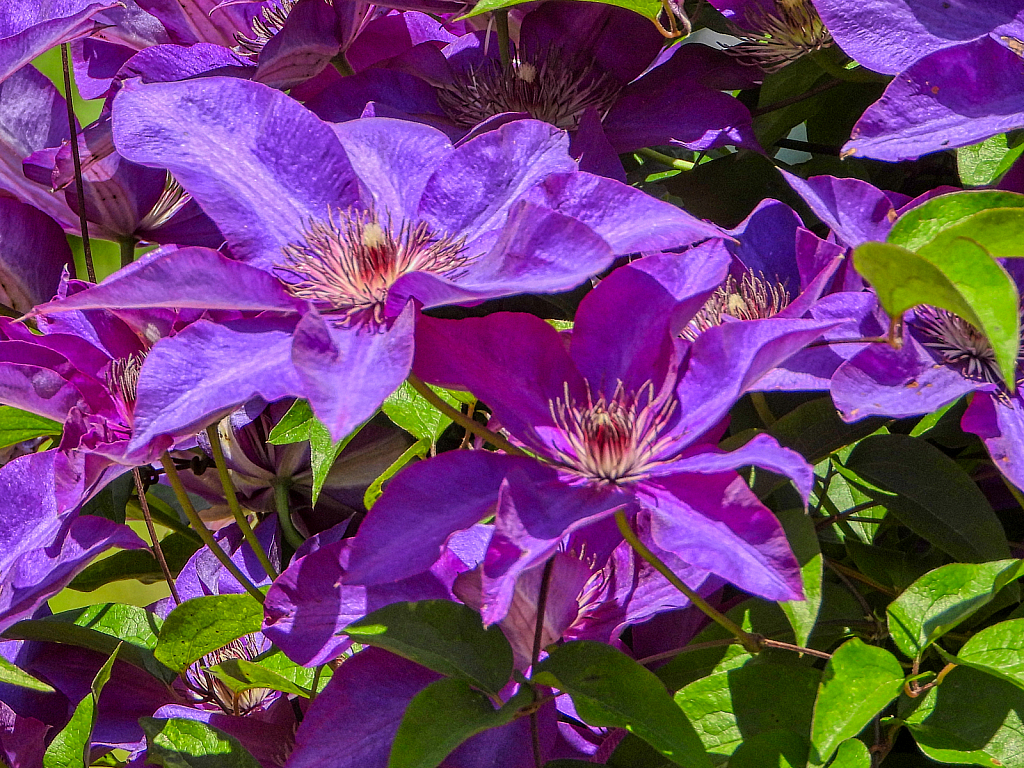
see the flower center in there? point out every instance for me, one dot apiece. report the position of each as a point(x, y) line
point(958, 343)
point(346, 265)
point(781, 32)
point(171, 200)
point(752, 298)
point(205, 686)
point(264, 26)
point(544, 87)
point(617, 439)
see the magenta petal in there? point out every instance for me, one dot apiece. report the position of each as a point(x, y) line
point(332, 364)
point(405, 530)
point(353, 721)
point(188, 278)
point(259, 180)
point(715, 522)
point(193, 379)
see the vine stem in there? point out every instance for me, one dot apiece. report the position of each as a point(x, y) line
point(204, 533)
point(750, 642)
point(76, 157)
point(127, 250)
point(538, 635)
point(671, 162)
point(284, 514)
point(232, 498)
point(501, 22)
point(462, 420)
point(158, 551)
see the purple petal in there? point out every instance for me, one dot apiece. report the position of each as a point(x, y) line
point(372, 690)
point(261, 181)
point(188, 278)
point(853, 209)
point(33, 254)
point(424, 504)
point(889, 35)
point(169, 63)
point(715, 522)
point(999, 422)
point(629, 220)
point(399, 91)
point(953, 98)
point(301, 48)
point(593, 151)
point(193, 379)
point(202, 21)
point(43, 381)
point(307, 607)
point(332, 364)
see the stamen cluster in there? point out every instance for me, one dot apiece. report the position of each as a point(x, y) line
point(207, 687)
point(781, 34)
point(123, 376)
point(754, 297)
point(958, 343)
point(614, 440)
point(264, 26)
point(347, 264)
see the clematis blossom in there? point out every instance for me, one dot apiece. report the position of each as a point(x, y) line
point(619, 421)
point(368, 220)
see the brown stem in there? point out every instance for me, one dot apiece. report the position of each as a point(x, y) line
point(158, 552)
point(460, 418)
point(538, 635)
point(77, 159)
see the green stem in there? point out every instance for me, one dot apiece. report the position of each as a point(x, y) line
point(233, 505)
point(204, 533)
point(284, 514)
point(749, 642)
point(501, 22)
point(671, 162)
point(127, 248)
point(462, 420)
point(764, 413)
point(341, 64)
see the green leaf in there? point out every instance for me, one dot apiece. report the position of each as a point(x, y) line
point(240, 675)
point(859, 682)
point(304, 677)
point(998, 651)
point(803, 540)
point(441, 635)
point(294, 426)
point(203, 625)
point(921, 224)
point(610, 689)
point(961, 277)
point(442, 716)
point(17, 426)
point(648, 8)
point(409, 410)
point(70, 748)
point(730, 706)
point(771, 749)
point(941, 599)
point(181, 743)
point(112, 501)
point(935, 498)
point(852, 754)
point(102, 628)
point(1000, 231)
point(14, 675)
point(982, 164)
point(376, 488)
point(928, 422)
point(972, 718)
point(136, 564)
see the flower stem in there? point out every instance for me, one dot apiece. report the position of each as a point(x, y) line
point(76, 157)
point(671, 162)
point(233, 505)
point(204, 533)
point(501, 22)
point(538, 636)
point(462, 420)
point(341, 63)
point(127, 248)
point(158, 551)
point(751, 643)
point(284, 514)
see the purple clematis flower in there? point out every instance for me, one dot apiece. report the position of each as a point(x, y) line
point(960, 74)
point(619, 421)
point(369, 219)
point(774, 33)
point(33, 255)
point(606, 83)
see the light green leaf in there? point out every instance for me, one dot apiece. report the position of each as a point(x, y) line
point(70, 748)
point(771, 749)
point(859, 681)
point(998, 650)
point(941, 599)
point(136, 564)
point(441, 635)
point(204, 624)
point(982, 164)
point(181, 743)
point(610, 689)
point(240, 675)
point(17, 426)
point(294, 426)
point(409, 409)
point(13, 675)
point(376, 488)
point(1000, 231)
point(852, 754)
point(803, 540)
point(648, 8)
point(922, 224)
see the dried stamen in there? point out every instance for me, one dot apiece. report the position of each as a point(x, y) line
point(544, 87)
point(264, 27)
point(206, 686)
point(781, 35)
point(752, 298)
point(347, 264)
point(617, 439)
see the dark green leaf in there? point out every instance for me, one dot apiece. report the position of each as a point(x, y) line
point(982, 164)
point(376, 488)
point(771, 749)
point(941, 599)
point(13, 675)
point(70, 748)
point(181, 743)
point(610, 689)
point(796, 79)
point(803, 540)
point(852, 754)
point(442, 716)
point(112, 500)
point(17, 426)
point(648, 8)
point(998, 650)
point(102, 628)
point(203, 625)
point(923, 223)
point(137, 564)
point(859, 682)
point(935, 497)
point(441, 635)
